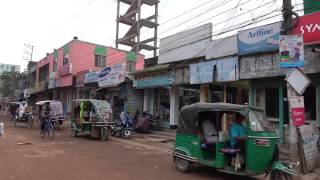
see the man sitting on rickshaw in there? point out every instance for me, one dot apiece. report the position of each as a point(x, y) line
point(22, 109)
point(237, 133)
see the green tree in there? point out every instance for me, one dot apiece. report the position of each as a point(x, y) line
point(11, 81)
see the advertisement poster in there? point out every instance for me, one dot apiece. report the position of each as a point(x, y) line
point(112, 76)
point(297, 110)
point(259, 39)
point(291, 51)
point(309, 146)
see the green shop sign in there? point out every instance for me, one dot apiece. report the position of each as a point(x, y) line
point(311, 6)
point(155, 81)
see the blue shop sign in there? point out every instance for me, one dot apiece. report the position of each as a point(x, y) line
point(260, 39)
point(156, 81)
point(91, 77)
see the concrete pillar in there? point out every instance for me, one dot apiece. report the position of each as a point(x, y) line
point(281, 114)
point(174, 107)
point(151, 102)
point(145, 99)
point(251, 93)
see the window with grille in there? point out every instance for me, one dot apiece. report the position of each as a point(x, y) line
point(66, 59)
point(100, 61)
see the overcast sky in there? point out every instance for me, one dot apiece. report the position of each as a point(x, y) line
point(49, 24)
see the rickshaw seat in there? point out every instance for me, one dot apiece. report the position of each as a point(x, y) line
point(210, 133)
point(230, 151)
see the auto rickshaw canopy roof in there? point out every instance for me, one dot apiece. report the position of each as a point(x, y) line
point(188, 120)
point(46, 101)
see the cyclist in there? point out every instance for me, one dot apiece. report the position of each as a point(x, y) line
point(45, 115)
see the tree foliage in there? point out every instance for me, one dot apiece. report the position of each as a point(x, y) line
point(11, 81)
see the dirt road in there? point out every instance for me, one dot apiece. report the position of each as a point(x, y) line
point(83, 158)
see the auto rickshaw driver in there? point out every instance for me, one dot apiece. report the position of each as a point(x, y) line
point(237, 133)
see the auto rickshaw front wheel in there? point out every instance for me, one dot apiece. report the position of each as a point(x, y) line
point(278, 175)
point(182, 165)
point(104, 133)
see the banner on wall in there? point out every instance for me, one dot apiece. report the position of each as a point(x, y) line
point(291, 51)
point(112, 76)
point(259, 39)
point(202, 72)
point(227, 69)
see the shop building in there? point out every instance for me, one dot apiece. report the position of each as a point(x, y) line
point(259, 64)
point(61, 75)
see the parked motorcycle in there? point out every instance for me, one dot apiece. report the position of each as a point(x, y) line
point(124, 127)
point(147, 122)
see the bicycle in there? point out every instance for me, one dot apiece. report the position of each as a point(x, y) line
point(48, 128)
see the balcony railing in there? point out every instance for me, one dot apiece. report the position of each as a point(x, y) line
point(64, 70)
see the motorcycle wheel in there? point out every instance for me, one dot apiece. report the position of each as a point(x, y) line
point(127, 133)
point(112, 132)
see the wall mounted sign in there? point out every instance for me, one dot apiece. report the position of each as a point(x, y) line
point(291, 51)
point(309, 26)
point(260, 39)
point(297, 110)
point(158, 80)
point(298, 80)
point(112, 76)
point(91, 77)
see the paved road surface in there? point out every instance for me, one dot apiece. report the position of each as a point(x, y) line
point(83, 158)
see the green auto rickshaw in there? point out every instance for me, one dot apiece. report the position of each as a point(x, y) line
point(93, 117)
point(202, 138)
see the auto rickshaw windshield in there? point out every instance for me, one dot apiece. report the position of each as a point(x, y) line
point(102, 107)
point(258, 122)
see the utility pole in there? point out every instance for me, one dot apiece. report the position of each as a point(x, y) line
point(287, 26)
point(29, 55)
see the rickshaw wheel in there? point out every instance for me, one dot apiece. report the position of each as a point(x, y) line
point(277, 175)
point(104, 133)
point(57, 125)
point(15, 122)
point(74, 132)
point(182, 165)
point(51, 132)
point(30, 122)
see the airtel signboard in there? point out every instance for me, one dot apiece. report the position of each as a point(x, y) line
point(309, 26)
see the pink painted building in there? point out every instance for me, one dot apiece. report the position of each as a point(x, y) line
point(59, 72)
